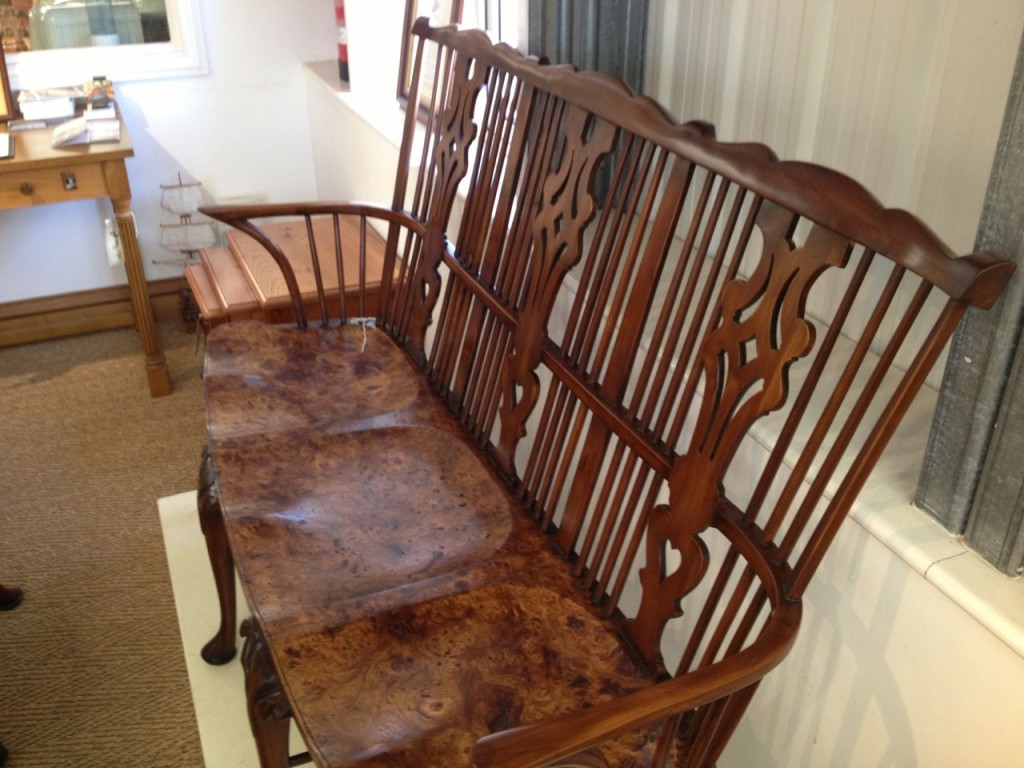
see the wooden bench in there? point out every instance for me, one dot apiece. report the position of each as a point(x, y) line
point(558, 500)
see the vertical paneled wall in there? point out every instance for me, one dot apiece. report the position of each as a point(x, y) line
point(905, 97)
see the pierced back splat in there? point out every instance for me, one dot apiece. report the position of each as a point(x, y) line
point(759, 330)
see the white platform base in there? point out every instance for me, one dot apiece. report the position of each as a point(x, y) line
point(218, 693)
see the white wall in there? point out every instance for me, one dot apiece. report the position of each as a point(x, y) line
point(367, 118)
point(241, 130)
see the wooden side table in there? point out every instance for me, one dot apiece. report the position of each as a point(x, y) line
point(40, 175)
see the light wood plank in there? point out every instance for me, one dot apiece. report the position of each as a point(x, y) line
point(230, 284)
point(264, 276)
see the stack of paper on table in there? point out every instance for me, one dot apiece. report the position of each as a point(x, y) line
point(84, 131)
point(47, 103)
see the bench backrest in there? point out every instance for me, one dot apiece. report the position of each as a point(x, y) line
point(620, 358)
point(686, 381)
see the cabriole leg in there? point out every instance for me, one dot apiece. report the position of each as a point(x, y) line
point(221, 649)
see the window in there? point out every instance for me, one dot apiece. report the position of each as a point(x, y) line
point(503, 20)
point(180, 52)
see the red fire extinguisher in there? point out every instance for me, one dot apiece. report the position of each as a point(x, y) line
point(339, 14)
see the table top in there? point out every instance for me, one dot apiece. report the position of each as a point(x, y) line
point(32, 149)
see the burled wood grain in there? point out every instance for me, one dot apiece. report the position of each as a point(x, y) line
point(261, 378)
point(417, 686)
point(363, 512)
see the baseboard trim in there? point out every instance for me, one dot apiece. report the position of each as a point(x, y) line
point(52, 317)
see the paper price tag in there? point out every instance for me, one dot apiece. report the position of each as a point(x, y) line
point(112, 239)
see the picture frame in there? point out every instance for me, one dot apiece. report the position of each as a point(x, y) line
point(440, 13)
point(7, 106)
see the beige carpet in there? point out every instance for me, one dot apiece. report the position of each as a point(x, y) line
point(92, 671)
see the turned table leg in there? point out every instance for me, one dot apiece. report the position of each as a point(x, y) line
point(121, 197)
point(221, 649)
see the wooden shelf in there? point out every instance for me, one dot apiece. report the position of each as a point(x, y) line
point(241, 280)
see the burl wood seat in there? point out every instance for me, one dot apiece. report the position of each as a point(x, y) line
point(261, 379)
point(258, 378)
point(559, 502)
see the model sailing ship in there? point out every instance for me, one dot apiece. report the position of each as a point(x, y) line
point(186, 236)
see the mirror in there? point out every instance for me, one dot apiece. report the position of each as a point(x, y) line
point(40, 25)
point(64, 42)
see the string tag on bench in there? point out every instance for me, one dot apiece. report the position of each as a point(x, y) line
point(365, 322)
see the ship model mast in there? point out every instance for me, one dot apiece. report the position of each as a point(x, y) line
point(185, 236)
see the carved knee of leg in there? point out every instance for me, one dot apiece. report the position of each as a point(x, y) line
point(263, 689)
point(208, 496)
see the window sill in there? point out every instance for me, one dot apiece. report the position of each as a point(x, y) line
point(382, 114)
point(885, 510)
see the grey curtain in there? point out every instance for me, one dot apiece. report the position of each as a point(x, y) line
point(973, 477)
point(607, 36)
point(603, 35)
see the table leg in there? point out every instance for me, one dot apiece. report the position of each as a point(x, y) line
point(121, 198)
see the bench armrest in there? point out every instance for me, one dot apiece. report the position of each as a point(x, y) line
point(542, 744)
point(237, 214)
point(319, 254)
